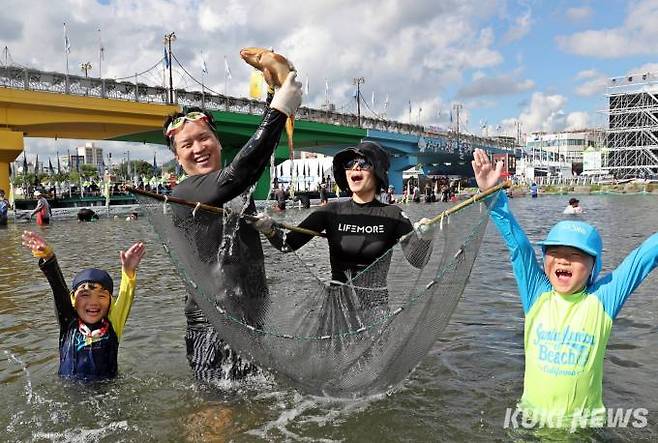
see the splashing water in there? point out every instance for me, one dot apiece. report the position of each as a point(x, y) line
point(28, 378)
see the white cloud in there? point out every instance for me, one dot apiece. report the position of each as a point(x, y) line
point(522, 26)
point(637, 36)
point(499, 85)
point(545, 113)
point(647, 67)
point(594, 83)
point(577, 120)
point(410, 50)
point(222, 16)
point(587, 73)
point(579, 14)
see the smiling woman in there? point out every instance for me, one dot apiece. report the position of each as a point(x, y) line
point(358, 230)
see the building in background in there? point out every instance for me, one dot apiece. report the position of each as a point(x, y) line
point(632, 136)
point(90, 155)
point(564, 147)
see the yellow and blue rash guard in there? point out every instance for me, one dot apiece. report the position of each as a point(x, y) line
point(565, 337)
point(121, 304)
point(80, 357)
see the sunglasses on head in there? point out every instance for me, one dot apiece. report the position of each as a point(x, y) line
point(178, 122)
point(91, 287)
point(362, 163)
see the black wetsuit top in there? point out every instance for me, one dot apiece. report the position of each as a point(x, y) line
point(77, 359)
point(219, 187)
point(358, 234)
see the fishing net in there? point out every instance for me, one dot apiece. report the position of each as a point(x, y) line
point(342, 340)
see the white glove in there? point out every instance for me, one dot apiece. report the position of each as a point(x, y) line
point(424, 229)
point(289, 96)
point(262, 223)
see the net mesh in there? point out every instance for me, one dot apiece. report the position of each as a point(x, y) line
point(342, 340)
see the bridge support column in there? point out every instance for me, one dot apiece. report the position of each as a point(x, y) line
point(398, 165)
point(11, 146)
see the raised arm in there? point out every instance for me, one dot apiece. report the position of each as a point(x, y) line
point(50, 268)
point(614, 289)
point(250, 162)
point(123, 302)
point(530, 277)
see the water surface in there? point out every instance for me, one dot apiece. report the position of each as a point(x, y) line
point(459, 392)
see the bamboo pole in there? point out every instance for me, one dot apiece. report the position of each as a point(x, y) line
point(470, 201)
point(217, 210)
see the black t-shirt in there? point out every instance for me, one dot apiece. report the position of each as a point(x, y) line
point(358, 234)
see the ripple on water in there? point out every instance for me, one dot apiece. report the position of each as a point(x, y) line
point(459, 392)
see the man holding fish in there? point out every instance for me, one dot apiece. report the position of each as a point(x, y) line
point(192, 136)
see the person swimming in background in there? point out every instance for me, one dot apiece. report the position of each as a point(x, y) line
point(91, 320)
point(573, 207)
point(534, 190)
point(86, 215)
point(569, 311)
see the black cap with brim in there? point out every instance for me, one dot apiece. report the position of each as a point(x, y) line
point(371, 151)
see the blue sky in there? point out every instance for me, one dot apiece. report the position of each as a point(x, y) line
point(541, 63)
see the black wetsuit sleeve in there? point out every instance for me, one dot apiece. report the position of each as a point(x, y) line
point(291, 241)
point(416, 250)
point(63, 307)
point(270, 96)
point(248, 165)
point(219, 187)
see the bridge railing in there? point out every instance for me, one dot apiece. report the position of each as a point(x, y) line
point(17, 77)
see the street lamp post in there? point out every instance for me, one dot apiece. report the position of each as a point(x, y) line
point(168, 39)
point(358, 81)
point(85, 67)
point(128, 171)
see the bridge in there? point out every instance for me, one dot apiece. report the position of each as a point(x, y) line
point(35, 103)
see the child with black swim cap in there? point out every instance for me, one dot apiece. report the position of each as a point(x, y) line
point(90, 319)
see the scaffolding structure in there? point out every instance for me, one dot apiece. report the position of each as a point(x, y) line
point(632, 135)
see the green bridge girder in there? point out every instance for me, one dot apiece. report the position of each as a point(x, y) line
point(236, 128)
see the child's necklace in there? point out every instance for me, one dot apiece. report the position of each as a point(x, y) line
point(90, 336)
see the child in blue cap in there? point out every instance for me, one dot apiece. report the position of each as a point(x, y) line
point(568, 311)
point(91, 321)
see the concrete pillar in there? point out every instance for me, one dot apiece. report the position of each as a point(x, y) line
point(11, 145)
point(398, 165)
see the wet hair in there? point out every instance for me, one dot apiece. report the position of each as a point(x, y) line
point(171, 117)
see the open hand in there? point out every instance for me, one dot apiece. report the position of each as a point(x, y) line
point(131, 258)
point(485, 174)
point(35, 243)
